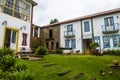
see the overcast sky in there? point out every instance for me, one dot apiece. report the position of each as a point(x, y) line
point(68, 9)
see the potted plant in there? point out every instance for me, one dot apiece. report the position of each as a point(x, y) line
point(116, 61)
point(93, 47)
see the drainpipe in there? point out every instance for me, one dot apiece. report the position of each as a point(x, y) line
point(83, 50)
point(31, 27)
point(92, 28)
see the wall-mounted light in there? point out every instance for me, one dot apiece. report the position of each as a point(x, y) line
point(23, 27)
point(4, 22)
point(117, 17)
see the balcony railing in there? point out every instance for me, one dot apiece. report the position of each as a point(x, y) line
point(107, 29)
point(70, 34)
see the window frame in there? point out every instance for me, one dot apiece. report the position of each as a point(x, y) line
point(24, 39)
point(97, 38)
point(113, 36)
point(19, 14)
point(67, 43)
point(73, 43)
point(109, 23)
point(50, 33)
point(14, 36)
point(70, 28)
point(108, 37)
point(86, 26)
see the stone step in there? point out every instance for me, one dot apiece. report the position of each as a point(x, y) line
point(93, 78)
point(50, 64)
point(77, 76)
point(64, 72)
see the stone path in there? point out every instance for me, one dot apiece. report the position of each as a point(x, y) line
point(35, 58)
point(93, 78)
point(50, 64)
point(64, 72)
point(77, 76)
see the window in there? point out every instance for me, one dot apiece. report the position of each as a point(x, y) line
point(73, 43)
point(57, 45)
point(0, 8)
point(86, 26)
point(17, 8)
point(36, 32)
point(9, 3)
point(69, 28)
point(50, 33)
point(13, 36)
point(26, 11)
point(52, 45)
point(97, 40)
point(109, 21)
point(67, 43)
point(1, 1)
point(116, 40)
point(47, 44)
point(106, 41)
point(24, 42)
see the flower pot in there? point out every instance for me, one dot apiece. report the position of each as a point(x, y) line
point(116, 62)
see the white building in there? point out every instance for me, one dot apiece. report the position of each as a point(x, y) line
point(36, 31)
point(16, 24)
point(102, 27)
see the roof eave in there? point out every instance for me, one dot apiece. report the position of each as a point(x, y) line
point(32, 2)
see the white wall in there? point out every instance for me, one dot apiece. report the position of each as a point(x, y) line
point(77, 29)
point(97, 26)
point(97, 30)
point(14, 23)
point(87, 35)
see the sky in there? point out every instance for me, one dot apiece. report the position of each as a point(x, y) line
point(69, 9)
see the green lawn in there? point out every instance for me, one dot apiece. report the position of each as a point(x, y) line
point(89, 65)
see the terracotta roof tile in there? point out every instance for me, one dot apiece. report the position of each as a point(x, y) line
point(85, 17)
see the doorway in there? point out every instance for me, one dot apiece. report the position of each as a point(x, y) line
point(86, 43)
point(10, 38)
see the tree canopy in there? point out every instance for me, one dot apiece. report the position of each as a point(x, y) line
point(54, 21)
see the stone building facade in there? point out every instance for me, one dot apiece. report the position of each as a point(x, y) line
point(50, 37)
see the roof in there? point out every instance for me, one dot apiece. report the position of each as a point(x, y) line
point(32, 2)
point(85, 17)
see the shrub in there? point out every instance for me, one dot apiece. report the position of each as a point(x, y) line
point(35, 43)
point(21, 75)
point(20, 66)
point(7, 61)
point(5, 51)
point(5, 75)
point(41, 51)
point(94, 45)
point(0, 74)
point(111, 52)
point(58, 51)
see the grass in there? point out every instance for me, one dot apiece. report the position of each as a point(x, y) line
point(89, 65)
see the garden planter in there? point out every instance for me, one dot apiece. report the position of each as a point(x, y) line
point(116, 62)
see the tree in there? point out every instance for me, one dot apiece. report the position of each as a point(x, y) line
point(53, 21)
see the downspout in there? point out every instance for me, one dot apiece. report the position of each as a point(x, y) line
point(83, 50)
point(31, 27)
point(92, 29)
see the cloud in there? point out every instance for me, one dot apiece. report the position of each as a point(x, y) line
point(67, 9)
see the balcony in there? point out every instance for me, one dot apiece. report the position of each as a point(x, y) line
point(50, 39)
point(69, 34)
point(110, 28)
